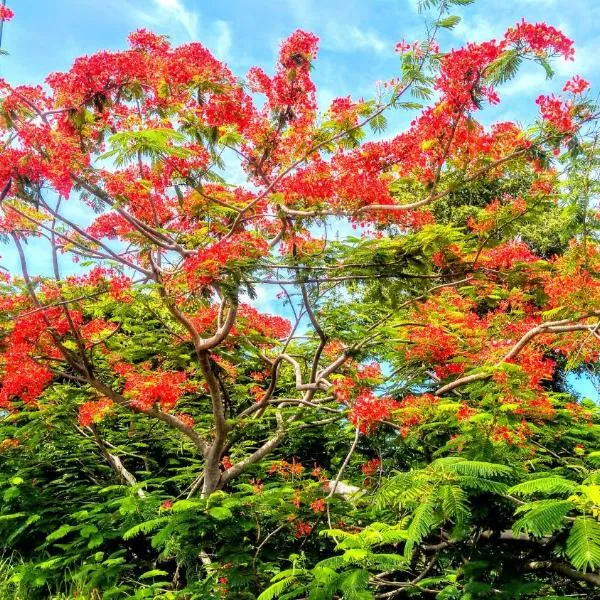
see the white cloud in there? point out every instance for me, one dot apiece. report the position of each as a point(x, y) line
point(350, 38)
point(324, 98)
point(175, 10)
point(477, 29)
point(525, 84)
point(174, 18)
point(221, 44)
point(585, 62)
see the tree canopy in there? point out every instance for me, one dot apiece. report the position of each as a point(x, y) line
point(401, 423)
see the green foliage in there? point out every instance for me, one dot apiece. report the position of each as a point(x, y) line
point(583, 543)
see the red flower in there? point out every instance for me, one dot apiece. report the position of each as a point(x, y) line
point(556, 112)
point(465, 412)
point(576, 85)
point(5, 13)
point(368, 410)
point(371, 467)
point(94, 412)
point(302, 529)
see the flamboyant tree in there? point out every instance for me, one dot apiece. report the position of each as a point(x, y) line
point(167, 193)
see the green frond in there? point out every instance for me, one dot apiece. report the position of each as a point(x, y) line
point(475, 468)
point(424, 520)
point(145, 527)
point(542, 517)
point(354, 585)
point(277, 589)
point(454, 503)
point(583, 543)
point(481, 484)
point(544, 485)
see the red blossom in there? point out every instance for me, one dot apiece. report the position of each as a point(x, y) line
point(371, 467)
point(576, 85)
point(302, 529)
point(368, 410)
point(6, 14)
point(94, 412)
point(541, 39)
point(557, 113)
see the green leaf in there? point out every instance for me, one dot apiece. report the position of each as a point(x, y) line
point(153, 573)
point(583, 543)
point(277, 589)
point(355, 555)
point(549, 71)
point(449, 22)
point(354, 585)
point(12, 516)
point(542, 517)
point(544, 485)
point(183, 505)
point(505, 67)
point(220, 513)
point(145, 527)
point(61, 532)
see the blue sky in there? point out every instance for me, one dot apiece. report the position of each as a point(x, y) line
point(356, 47)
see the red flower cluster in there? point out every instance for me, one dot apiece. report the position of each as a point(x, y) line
point(25, 377)
point(505, 256)
point(368, 410)
point(541, 39)
point(344, 111)
point(208, 264)
point(6, 14)
point(576, 85)
point(371, 467)
point(434, 345)
point(302, 529)
point(157, 387)
point(286, 469)
point(94, 412)
point(270, 326)
point(557, 113)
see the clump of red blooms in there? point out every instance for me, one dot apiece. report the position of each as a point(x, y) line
point(286, 469)
point(6, 14)
point(207, 264)
point(93, 412)
point(9, 444)
point(576, 85)
point(146, 389)
point(302, 529)
point(371, 467)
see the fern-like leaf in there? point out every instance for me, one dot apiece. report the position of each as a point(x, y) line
point(583, 543)
point(145, 527)
point(544, 485)
point(423, 522)
point(542, 517)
